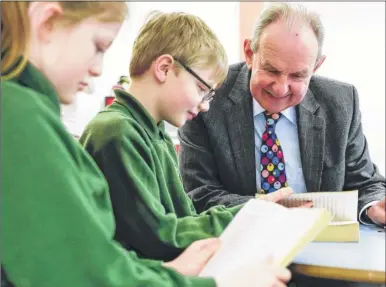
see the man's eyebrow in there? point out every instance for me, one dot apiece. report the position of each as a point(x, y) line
point(268, 65)
point(301, 73)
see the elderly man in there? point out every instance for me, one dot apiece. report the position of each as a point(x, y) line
point(274, 123)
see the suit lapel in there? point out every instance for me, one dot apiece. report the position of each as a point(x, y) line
point(239, 117)
point(311, 131)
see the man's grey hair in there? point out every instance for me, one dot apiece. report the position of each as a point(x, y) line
point(290, 13)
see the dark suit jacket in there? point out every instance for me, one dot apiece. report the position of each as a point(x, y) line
point(217, 155)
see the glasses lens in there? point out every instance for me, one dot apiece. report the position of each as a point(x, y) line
point(209, 96)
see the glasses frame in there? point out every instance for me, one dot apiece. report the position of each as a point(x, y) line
point(212, 92)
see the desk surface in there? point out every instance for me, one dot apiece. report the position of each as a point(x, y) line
point(362, 261)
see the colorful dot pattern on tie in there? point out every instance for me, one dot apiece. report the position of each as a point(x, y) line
point(273, 176)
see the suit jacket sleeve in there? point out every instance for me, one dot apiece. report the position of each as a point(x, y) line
point(199, 168)
point(361, 173)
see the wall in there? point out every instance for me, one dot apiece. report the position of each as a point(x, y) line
point(249, 13)
point(355, 50)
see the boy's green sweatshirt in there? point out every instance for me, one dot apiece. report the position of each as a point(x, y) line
point(154, 215)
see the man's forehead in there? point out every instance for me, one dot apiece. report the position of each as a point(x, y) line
point(289, 26)
point(289, 50)
point(283, 34)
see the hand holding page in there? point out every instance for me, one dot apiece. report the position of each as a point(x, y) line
point(262, 229)
point(343, 206)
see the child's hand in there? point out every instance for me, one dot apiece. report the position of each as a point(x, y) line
point(195, 257)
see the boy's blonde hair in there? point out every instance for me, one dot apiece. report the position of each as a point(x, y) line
point(185, 37)
point(15, 27)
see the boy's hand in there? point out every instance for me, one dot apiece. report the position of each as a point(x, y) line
point(195, 257)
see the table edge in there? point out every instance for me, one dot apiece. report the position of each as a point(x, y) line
point(356, 275)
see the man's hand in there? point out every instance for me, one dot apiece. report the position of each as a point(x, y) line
point(281, 194)
point(195, 257)
point(377, 212)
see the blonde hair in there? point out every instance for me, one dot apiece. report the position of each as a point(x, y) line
point(290, 14)
point(185, 37)
point(15, 27)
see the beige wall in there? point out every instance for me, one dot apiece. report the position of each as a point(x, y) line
point(249, 13)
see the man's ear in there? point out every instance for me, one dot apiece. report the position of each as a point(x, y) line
point(319, 63)
point(42, 16)
point(162, 66)
point(248, 53)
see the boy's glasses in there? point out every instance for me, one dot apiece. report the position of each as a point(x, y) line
point(209, 96)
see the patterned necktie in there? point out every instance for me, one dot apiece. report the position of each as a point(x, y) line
point(272, 167)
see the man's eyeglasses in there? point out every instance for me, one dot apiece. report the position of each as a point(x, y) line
point(209, 96)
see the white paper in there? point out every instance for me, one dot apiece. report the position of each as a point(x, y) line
point(342, 205)
point(260, 229)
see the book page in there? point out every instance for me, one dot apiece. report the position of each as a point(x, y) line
point(260, 230)
point(342, 205)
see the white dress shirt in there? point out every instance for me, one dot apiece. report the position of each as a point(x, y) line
point(287, 132)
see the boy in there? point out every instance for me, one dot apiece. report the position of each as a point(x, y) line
point(176, 63)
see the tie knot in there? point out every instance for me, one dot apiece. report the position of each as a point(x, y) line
point(272, 118)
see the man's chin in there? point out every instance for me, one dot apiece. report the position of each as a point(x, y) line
point(271, 105)
point(272, 109)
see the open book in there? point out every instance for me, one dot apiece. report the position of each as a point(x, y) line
point(263, 229)
point(342, 205)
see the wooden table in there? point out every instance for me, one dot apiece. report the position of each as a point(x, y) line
point(363, 261)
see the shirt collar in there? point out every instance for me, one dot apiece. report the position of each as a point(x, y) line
point(289, 113)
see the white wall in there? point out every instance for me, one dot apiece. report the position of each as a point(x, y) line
point(116, 62)
point(355, 50)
